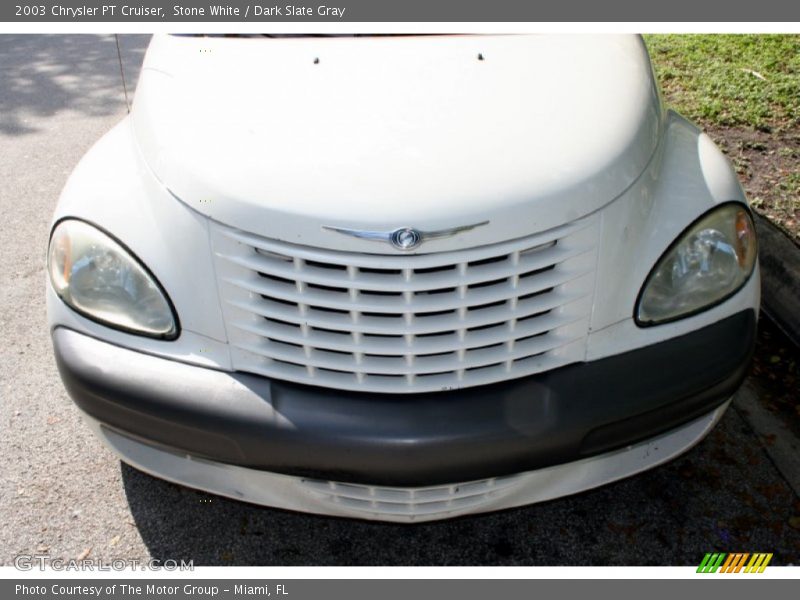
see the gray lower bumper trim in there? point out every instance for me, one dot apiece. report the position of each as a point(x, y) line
point(408, 440)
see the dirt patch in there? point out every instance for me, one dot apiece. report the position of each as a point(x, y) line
point(768, 165)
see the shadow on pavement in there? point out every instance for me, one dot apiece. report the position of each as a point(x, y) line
point(721, 496)
point(41, 75)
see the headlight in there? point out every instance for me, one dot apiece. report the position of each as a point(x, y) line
point(707, 264)
point(97, 277)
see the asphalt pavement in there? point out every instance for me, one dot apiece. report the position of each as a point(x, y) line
point(62, 494)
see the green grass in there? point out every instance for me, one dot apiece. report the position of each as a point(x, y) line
point(717, 79)
point(791, 185)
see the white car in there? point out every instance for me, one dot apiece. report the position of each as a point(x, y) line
point(401, 277)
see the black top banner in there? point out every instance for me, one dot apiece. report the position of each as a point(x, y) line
point(86, 11)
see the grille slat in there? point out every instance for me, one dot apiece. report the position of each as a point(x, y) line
point(400, 323)
point(392, 323)
point(394, 384)
point(390, 364)
point(448, 298)
point(401, 261)
point(396, 345)
point(388, 280)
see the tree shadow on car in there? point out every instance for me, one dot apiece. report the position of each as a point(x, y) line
point(723, 495)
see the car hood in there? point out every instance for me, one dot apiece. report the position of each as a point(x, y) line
point(283, 136)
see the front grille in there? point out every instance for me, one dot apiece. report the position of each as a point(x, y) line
point(434, 501)
point(406, 323)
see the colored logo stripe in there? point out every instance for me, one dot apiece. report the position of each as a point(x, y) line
point(758, 563)
point(711, 562)
point(734, 562)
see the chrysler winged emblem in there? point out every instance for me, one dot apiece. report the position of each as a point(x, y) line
point(403, 238)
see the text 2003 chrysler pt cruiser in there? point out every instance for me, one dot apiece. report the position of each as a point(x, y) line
point(401, 278)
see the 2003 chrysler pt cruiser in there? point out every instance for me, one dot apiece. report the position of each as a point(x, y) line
point(398, 277)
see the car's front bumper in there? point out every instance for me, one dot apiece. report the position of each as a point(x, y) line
point(236, 423)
